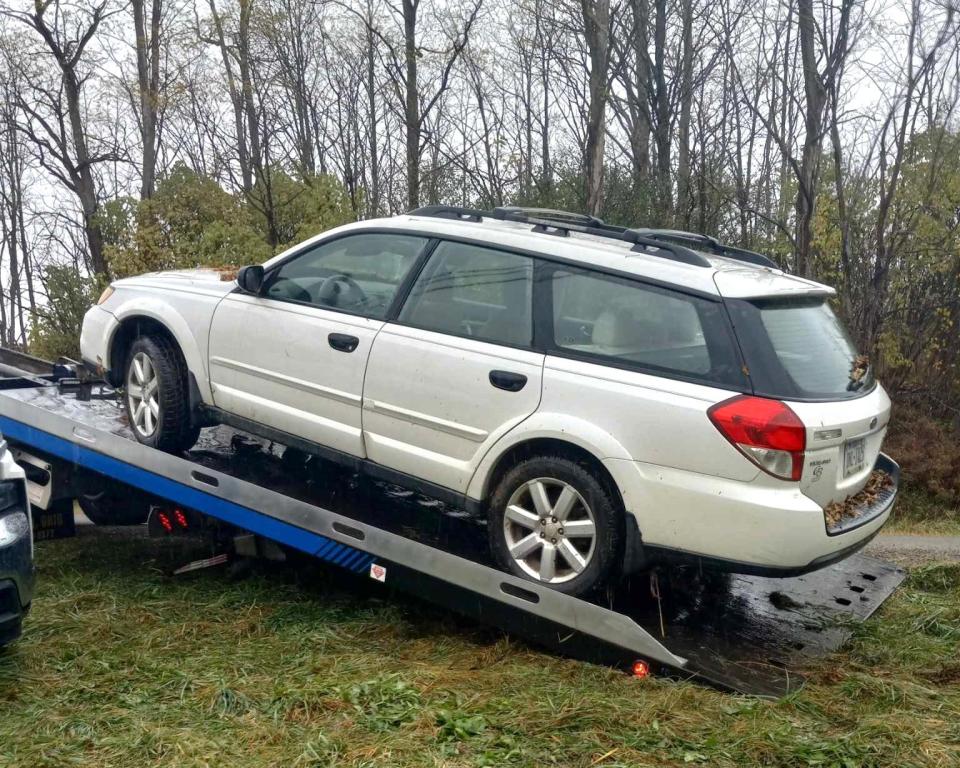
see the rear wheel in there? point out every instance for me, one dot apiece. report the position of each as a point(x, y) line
point(156, 395)
point(553, 521)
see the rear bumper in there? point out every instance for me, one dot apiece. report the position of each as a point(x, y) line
point(881, 506)
point(663, 555)
point(761, 528)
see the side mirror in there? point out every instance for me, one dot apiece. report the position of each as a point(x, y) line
point(250, 279)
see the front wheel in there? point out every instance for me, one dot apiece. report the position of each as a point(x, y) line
point(156, 396)
point(552, 521)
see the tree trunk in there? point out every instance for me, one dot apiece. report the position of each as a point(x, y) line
point(372, 131)
point(411, 111)
point(246, 87)
point(640, 110)
point(71, 133)
point(662, 101)
point(808, 175)
point(596, 25)
point(686, 103)
point(84, 182)
point(236, 100)
point(148, 80)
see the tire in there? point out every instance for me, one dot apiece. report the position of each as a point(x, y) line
point(155, 361)
point(579, 497)
point(113, 507)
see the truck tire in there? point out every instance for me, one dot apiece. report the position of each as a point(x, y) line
point(112, 507)
point(553, 521)
point(156, 396)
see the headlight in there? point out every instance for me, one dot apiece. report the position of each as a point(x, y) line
point(13, 527)
point(107, 293)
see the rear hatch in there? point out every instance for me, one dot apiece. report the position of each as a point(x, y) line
point(797, 351)
point(843, 442)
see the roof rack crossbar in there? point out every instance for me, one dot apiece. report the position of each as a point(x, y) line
point(550, 221)
point(450, 212)
point(714, 245)
point(548, 213)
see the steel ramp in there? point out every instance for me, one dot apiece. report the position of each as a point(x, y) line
point(757, 635)
point(748, 634)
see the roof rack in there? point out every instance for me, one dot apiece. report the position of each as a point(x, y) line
point(562, 223)
point(711, 243)
point(666, 243)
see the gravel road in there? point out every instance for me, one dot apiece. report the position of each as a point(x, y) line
point(906, 550)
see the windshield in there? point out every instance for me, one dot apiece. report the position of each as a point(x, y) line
point(798, 348)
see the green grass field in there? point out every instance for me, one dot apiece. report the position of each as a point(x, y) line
point(918, 511)
point(122, 666)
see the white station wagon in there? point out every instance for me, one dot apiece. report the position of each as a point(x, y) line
point(610, 398)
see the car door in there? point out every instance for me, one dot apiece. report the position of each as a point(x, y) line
point(456, 370)
point(293, 357)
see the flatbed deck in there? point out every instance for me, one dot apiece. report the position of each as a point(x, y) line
point(749, 634)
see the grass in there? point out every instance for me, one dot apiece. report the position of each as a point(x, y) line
point(918, 511)
point(123, 666)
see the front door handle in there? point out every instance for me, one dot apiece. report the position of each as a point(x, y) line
point(508, 380)
point(343, 342)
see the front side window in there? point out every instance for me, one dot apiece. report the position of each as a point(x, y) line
point(632, 324)
point(468, 290)
point(359, 274)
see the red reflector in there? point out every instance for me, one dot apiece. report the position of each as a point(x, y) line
point(640, 669)
point(761, 423)
point(181, 518)
point(165, 522)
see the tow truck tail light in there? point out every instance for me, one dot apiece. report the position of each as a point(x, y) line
point(164, 519)
point(640, 669)
point(766, 431)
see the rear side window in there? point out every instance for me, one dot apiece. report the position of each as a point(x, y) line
point(799, 348)
point(636, 325)
point(468, 290)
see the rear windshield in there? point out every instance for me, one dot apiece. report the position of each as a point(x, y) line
point(798, 348)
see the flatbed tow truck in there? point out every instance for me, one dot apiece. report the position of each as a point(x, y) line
point(747, 634)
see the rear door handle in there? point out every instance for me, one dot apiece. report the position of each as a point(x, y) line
point(343, 342)
point(508, 380)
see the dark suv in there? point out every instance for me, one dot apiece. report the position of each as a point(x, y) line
point(16, 548)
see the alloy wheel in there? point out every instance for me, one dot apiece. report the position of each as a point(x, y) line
point(550, 530)
point(143, 394)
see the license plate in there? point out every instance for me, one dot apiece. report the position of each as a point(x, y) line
point(854, 453)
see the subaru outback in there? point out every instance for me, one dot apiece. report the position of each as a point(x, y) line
point(610, 398)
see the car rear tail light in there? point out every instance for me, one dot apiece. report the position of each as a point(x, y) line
point(765, 431)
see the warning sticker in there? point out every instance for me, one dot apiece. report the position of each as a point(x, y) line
point(378, 572)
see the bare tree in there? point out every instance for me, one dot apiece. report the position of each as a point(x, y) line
point(404, 71)
point(13, 216)
point(148, 81)
point(891, 155)
point(55, 123)
point(596, 26)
